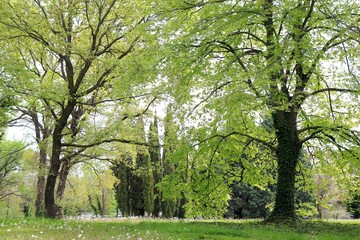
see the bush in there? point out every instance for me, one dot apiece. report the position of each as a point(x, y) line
point(248, 202)
point(353, 206)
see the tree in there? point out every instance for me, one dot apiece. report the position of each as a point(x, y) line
point(10, 156)
point(353, 206)
point(66, 52)
point(122, 191)
point(90, 191)
point(140, 174)
point(156, 164)
point(135, 190)
point(235, 62)
point(133, 167)
point(34, 113)
point(146, 172)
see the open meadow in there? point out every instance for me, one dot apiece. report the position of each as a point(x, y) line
point(141, 229)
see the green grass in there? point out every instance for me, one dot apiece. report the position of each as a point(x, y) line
point(141, 229)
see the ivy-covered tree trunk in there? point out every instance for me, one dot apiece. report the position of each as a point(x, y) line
point(287, 154)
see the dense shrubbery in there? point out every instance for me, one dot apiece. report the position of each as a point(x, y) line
point(249, 202)
point(353, 206)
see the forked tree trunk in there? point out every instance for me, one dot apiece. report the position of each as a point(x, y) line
point(52, 210)
point(287, 153)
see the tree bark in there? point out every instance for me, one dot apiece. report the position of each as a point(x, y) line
point(103, 202)
point(40, 186)
point(42, 132)
point(287, 153)
point(64, 172)
point(52, 210)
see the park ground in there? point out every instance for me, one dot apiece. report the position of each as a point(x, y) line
point(141, 229)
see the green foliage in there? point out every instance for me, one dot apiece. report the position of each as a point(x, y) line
point(122, 190)
point(210, 167)
point(157, 165)
point(69, 60)
point(306, 210)
point(135, 190)
point(249, 201)
point(148, 181)
point(353, 206)
point(6, 103)
point(233, 63)
point(10, 164)
point(90, 191)
point(249, 84)
point(96, 207)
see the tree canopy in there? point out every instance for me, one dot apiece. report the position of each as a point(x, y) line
point(237, 63)
point(71, 57)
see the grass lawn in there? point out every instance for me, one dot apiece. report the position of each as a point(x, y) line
point(141, 229)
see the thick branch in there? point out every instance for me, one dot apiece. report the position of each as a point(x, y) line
point(308, 15)
point(209, 96)
point(332, 90)
point(105, 141)
point(142, 112)
point(267, 144)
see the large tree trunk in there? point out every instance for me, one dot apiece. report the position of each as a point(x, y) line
point(287, 153)
point(52, 210)
point(42, 132)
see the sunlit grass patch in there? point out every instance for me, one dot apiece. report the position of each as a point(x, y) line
point(146, 229)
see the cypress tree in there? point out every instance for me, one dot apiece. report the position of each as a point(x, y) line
point(156, 162)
